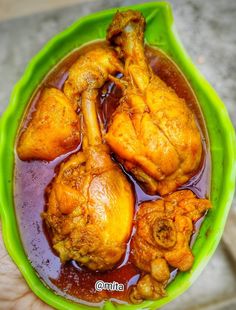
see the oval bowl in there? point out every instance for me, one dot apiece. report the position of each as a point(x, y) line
point(160, 32)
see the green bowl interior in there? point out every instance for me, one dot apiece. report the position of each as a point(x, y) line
point(160, 32)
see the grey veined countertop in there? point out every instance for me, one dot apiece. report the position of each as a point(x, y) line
point(207, 29)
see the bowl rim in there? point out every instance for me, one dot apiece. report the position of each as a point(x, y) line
point(230, 141)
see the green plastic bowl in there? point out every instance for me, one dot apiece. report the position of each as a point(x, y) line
point(160, 32)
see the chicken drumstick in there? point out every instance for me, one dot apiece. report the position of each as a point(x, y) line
point(91, 203)
point(153, 132)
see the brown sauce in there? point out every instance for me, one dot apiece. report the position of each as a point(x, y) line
point(31, 179)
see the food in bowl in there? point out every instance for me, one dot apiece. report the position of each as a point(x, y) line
point(45, 137)
point(143, 157)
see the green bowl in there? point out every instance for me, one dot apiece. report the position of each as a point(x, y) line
point(160, 32)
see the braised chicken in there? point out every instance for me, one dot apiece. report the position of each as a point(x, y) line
point(163, 231)
point(53, 130)
point(141, 127)
point(152, 132)
point(92, 69)
point(90, 202)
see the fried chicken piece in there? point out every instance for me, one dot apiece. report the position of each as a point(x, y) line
point(91, 203)
point(91, 70)
point(53, 130)
point(147, 288)
point(153, 132)
point(163, 231)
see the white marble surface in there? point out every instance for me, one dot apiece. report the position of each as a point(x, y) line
point(207, 30)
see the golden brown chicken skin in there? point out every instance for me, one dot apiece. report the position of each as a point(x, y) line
point(53, 130)
point(91, 70)
point(163, 231)
point(90, 202)
point(153, 132)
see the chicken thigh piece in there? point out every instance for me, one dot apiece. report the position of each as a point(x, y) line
point(53, 130)
point(91, 203)
point(163, 231)
point(153, 132)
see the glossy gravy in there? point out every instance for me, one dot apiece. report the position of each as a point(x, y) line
point(31, 179)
